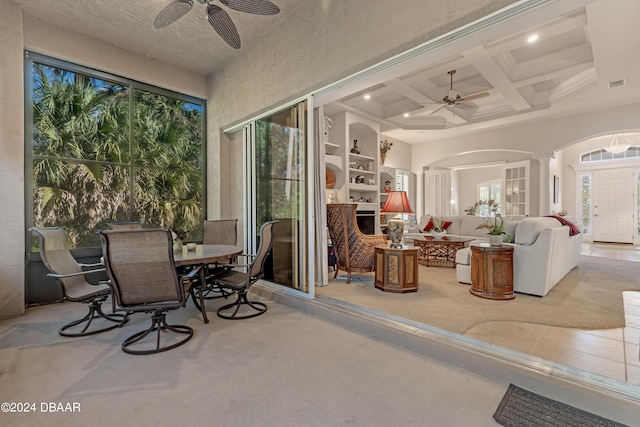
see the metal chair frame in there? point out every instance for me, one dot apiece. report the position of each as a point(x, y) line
point(71, 277)
point(241, 281)
point(130, 289)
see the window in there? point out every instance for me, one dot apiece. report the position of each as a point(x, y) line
point(402, 184)
point(585, 203)
point(601, 154)
point(489, 190)
point(106, 149)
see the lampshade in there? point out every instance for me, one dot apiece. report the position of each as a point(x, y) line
point(616, 146)
point(397, 202)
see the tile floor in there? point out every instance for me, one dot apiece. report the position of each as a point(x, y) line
point(614, 353)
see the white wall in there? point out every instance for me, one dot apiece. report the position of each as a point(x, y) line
point(11, 162)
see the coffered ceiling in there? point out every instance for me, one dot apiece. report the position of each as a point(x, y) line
point(588, 59)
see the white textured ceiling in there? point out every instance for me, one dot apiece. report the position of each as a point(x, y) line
point(190, 42)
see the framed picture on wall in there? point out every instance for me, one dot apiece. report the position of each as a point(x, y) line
point(556, 188)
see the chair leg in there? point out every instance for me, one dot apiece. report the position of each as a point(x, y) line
point(259, 307)
point(199, 304)
point(158, 324)
point(95, 311)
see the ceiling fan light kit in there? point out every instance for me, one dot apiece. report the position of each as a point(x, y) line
point(453, 98)
point(217, 17)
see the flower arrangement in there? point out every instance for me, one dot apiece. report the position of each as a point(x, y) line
point(475, 208)
point(385, 146)
point(495, 223)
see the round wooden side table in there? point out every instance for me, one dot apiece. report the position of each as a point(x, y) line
point(492, 271)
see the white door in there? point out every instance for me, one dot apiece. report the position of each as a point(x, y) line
point(613, 206)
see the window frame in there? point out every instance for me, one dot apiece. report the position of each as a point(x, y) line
point(29, 59)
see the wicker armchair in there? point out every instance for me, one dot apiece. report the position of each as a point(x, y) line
point(355, 250)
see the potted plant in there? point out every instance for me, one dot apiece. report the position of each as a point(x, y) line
point(495, 225)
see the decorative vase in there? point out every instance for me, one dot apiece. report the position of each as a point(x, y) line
point(495, 239)
point(355, 149)
point(383, 155)
point(177, 246)
point(438, 235)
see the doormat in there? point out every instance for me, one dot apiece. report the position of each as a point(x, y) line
point(522, 408)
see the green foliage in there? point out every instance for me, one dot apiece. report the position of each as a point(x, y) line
point(86, 169)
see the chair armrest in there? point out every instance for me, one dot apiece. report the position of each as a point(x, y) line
point(192, 274)
point(97, 264)
point(80, 273)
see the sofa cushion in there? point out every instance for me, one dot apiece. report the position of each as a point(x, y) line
point(529, 229)
point(469, 226)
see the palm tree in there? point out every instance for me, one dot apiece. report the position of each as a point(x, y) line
point(83, 164)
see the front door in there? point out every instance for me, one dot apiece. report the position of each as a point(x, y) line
point(613, 207)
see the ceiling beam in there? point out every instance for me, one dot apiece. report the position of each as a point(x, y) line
point(498, 79)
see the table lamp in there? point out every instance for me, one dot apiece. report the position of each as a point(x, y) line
point(397, 203)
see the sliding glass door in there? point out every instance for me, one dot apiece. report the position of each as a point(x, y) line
point(276, 185)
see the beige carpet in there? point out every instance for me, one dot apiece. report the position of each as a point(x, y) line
point(589, 297)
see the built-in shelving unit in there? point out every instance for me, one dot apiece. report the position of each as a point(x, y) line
point(353, 142)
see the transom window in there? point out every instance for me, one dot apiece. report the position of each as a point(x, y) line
point(601, 154)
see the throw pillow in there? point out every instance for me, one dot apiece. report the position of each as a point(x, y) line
point(429, 225)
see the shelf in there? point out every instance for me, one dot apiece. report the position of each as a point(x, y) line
point(363, 187)
point(364, 171)
point(330, 149)
point(360, 156)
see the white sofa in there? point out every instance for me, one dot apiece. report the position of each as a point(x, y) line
point(544, 251)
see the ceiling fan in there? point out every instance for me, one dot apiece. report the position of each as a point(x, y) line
point(453, 98)
point(218, 18)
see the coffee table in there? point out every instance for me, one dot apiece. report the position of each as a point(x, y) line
point(441, 252)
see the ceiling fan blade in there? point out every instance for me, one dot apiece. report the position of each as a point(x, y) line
point(472, 97)
point(172, 12)
point(221, 22)
point(256, 7)
point(438, 109)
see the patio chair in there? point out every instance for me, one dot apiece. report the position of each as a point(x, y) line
point(71, 276)
point(354, 250)
point(143, 277)
point(124, 225)
point(241, 281)
point(218, 232)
